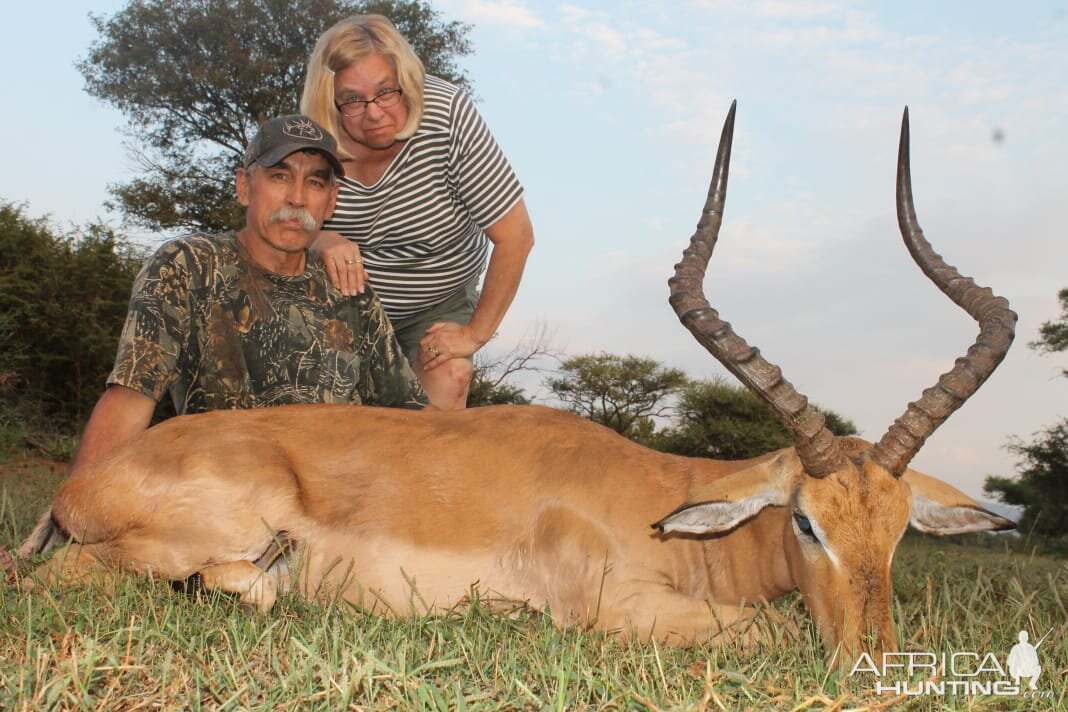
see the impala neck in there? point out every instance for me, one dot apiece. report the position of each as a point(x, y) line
point(748, 563)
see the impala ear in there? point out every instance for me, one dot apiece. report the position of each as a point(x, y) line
point(938, 508)
point(736, 498)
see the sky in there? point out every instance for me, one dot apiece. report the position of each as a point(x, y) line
point(610, 113)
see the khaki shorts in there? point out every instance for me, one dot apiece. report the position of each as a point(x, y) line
point(458, 308)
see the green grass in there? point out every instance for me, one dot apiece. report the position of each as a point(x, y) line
point(143, 645)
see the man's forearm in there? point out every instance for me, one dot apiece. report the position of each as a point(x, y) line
point(118, 417)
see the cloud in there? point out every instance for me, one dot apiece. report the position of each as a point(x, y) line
point(508, 14)
point(573, 14)
point(591, 36)
point(780, 10)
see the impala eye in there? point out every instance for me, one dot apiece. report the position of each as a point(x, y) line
point(804, 525)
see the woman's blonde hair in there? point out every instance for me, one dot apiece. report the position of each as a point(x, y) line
point(347, 42)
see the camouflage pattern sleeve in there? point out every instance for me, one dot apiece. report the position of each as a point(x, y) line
point(386, 378)
point(157, 325)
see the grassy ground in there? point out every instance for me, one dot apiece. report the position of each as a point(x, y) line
point(145, 646)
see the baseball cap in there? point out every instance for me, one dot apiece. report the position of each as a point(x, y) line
point(283, 135)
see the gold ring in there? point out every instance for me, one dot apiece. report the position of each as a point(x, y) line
point(352, 262)
point(432, 351)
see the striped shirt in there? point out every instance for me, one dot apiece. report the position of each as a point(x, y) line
point(421, 227)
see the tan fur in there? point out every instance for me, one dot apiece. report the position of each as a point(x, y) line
point(403, 513)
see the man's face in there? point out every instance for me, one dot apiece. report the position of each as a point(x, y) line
point(286, 204)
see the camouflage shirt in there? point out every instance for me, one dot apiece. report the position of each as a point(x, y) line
point(219, 332)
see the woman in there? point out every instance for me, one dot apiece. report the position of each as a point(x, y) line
point(426, 191)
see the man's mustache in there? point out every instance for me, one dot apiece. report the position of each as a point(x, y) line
point(307, 222)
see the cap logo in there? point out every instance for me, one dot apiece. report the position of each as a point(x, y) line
point(303, 129)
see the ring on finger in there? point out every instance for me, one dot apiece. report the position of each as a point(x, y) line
point(353, 262)
point(431, 350)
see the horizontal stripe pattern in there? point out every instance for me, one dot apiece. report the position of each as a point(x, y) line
point(421, 227)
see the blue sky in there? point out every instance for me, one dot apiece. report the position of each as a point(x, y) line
point(610, 111)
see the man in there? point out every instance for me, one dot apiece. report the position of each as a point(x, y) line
point(250, 319)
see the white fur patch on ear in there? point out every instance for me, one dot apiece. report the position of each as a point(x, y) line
point(932, 517)
point(712, 517)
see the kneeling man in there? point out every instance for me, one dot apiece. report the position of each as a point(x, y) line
point(250, 319)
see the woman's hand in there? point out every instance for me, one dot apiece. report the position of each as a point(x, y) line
point(446, 340)
point(344, 266)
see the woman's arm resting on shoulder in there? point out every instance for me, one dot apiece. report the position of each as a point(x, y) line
point(343, 263)
point(512, 237)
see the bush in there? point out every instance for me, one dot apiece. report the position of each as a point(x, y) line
point(63, 300)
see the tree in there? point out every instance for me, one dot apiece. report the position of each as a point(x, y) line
point(63, 299)
point(490, 383)
point(1053, 335)
point(720, 420)
point(623, 392)
point(195, 79)
point(1041, 487)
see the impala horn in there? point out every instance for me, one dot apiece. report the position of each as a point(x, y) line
point(816, 445)
point(997, 324)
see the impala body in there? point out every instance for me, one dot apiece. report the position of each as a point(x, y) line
point(403, 512)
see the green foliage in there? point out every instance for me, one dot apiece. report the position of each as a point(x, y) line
point(623, 392)
point(14, 431)
point(63, 299)
point(723, 421)
point(706, 418)
point(489, 381)
point(195, 78)
point(485, 392)
point(1041, 487)
point(1053, 335)
point(13, 428)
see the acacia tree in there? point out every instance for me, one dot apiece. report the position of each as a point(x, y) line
point(1041, 485)
point(717, 419)
point(622, 392)
point(1053, 335)
point(195, 78)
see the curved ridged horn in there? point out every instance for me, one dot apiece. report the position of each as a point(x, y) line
point(815, 444)
point(997, 324)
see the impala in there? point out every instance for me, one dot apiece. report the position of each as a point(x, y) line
point(405, 513)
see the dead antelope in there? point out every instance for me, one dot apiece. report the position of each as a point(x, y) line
point(403, 512)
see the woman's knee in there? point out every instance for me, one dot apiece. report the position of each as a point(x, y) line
point(447, 385)
point(461, 370)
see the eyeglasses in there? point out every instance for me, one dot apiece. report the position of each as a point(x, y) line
point(356, 107)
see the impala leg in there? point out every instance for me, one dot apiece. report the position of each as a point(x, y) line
point(679, 620)
point(253, 585)
point(77, 563)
